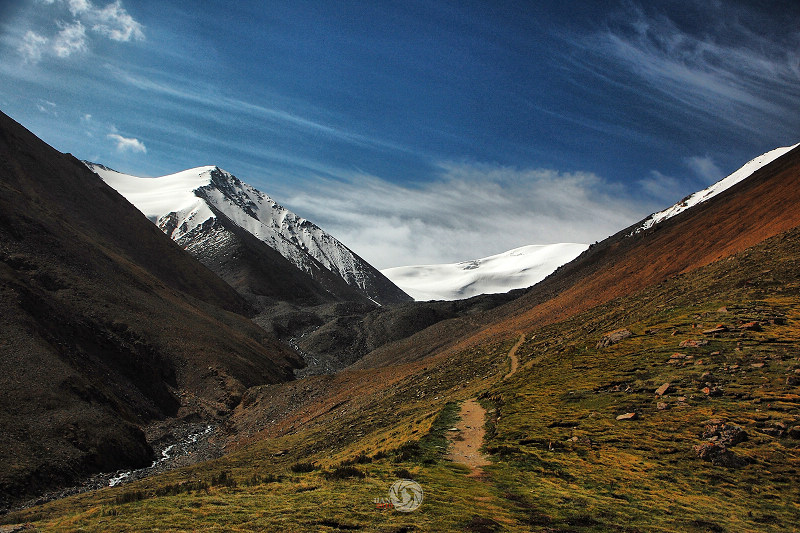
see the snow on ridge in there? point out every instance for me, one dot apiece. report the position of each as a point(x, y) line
point(514, 269)
point(181, 202)
point(725, 183)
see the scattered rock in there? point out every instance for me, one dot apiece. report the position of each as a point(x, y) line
point(628, 416)
point(711, 391)
point(714, 353)
point(772, 431)
point(612, 338)
point(722, 310)
point(751, 326)
point(720, 328)
point(718, 455)
point(708, 376)
point(677, 356)
point(662, 389)
point(693, 343)
point(725, 434)
point(662, 406)
point(17, 528)
point(756, 365)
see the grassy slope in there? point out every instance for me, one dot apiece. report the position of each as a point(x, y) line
point(561, 460)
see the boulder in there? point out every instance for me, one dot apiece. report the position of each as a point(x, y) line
point(662, 389)
point(693, 343)
point(718, 454)
point(725, 434)
point(612, 338)
point(751, 326)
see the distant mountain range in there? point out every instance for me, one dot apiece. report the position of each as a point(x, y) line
point(207, 210)
point(526, 266)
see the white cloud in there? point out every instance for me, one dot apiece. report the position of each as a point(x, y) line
point(33, 46)
point(115, 23)
point(127, 144)
point(111, 21)
point(78, 7)
point(471, 211)
point(71, 39)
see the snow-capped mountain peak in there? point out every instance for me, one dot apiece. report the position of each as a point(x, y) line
point(186, 204)
point(514, 269)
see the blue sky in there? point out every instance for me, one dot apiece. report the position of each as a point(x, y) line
point(417, 132)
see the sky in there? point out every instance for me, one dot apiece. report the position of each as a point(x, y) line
point(417, 132)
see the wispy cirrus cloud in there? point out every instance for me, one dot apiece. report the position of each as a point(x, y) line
point(213, 103)
point(71, 28)
point(471, 211)
point(127, 144)
point(725, 70)
point(703, 171)
point(705, 168)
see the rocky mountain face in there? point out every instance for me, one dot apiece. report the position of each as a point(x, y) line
point(208, 209)
point(106, 325)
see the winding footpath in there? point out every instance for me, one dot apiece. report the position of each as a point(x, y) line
point(512, 354)
point(467, 436)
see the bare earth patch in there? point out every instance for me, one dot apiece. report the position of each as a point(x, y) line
point(466, 442)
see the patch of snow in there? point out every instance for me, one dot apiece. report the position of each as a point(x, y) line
point(725, 183)
point(514, 269)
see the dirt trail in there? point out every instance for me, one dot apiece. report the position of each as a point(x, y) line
point(469, 437)
point(512, 354)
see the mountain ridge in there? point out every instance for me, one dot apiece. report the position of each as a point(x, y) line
point(178, 203)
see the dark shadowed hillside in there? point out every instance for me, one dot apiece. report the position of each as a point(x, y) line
point(106, 325)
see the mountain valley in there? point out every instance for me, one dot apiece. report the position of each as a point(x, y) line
point(649, 383)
